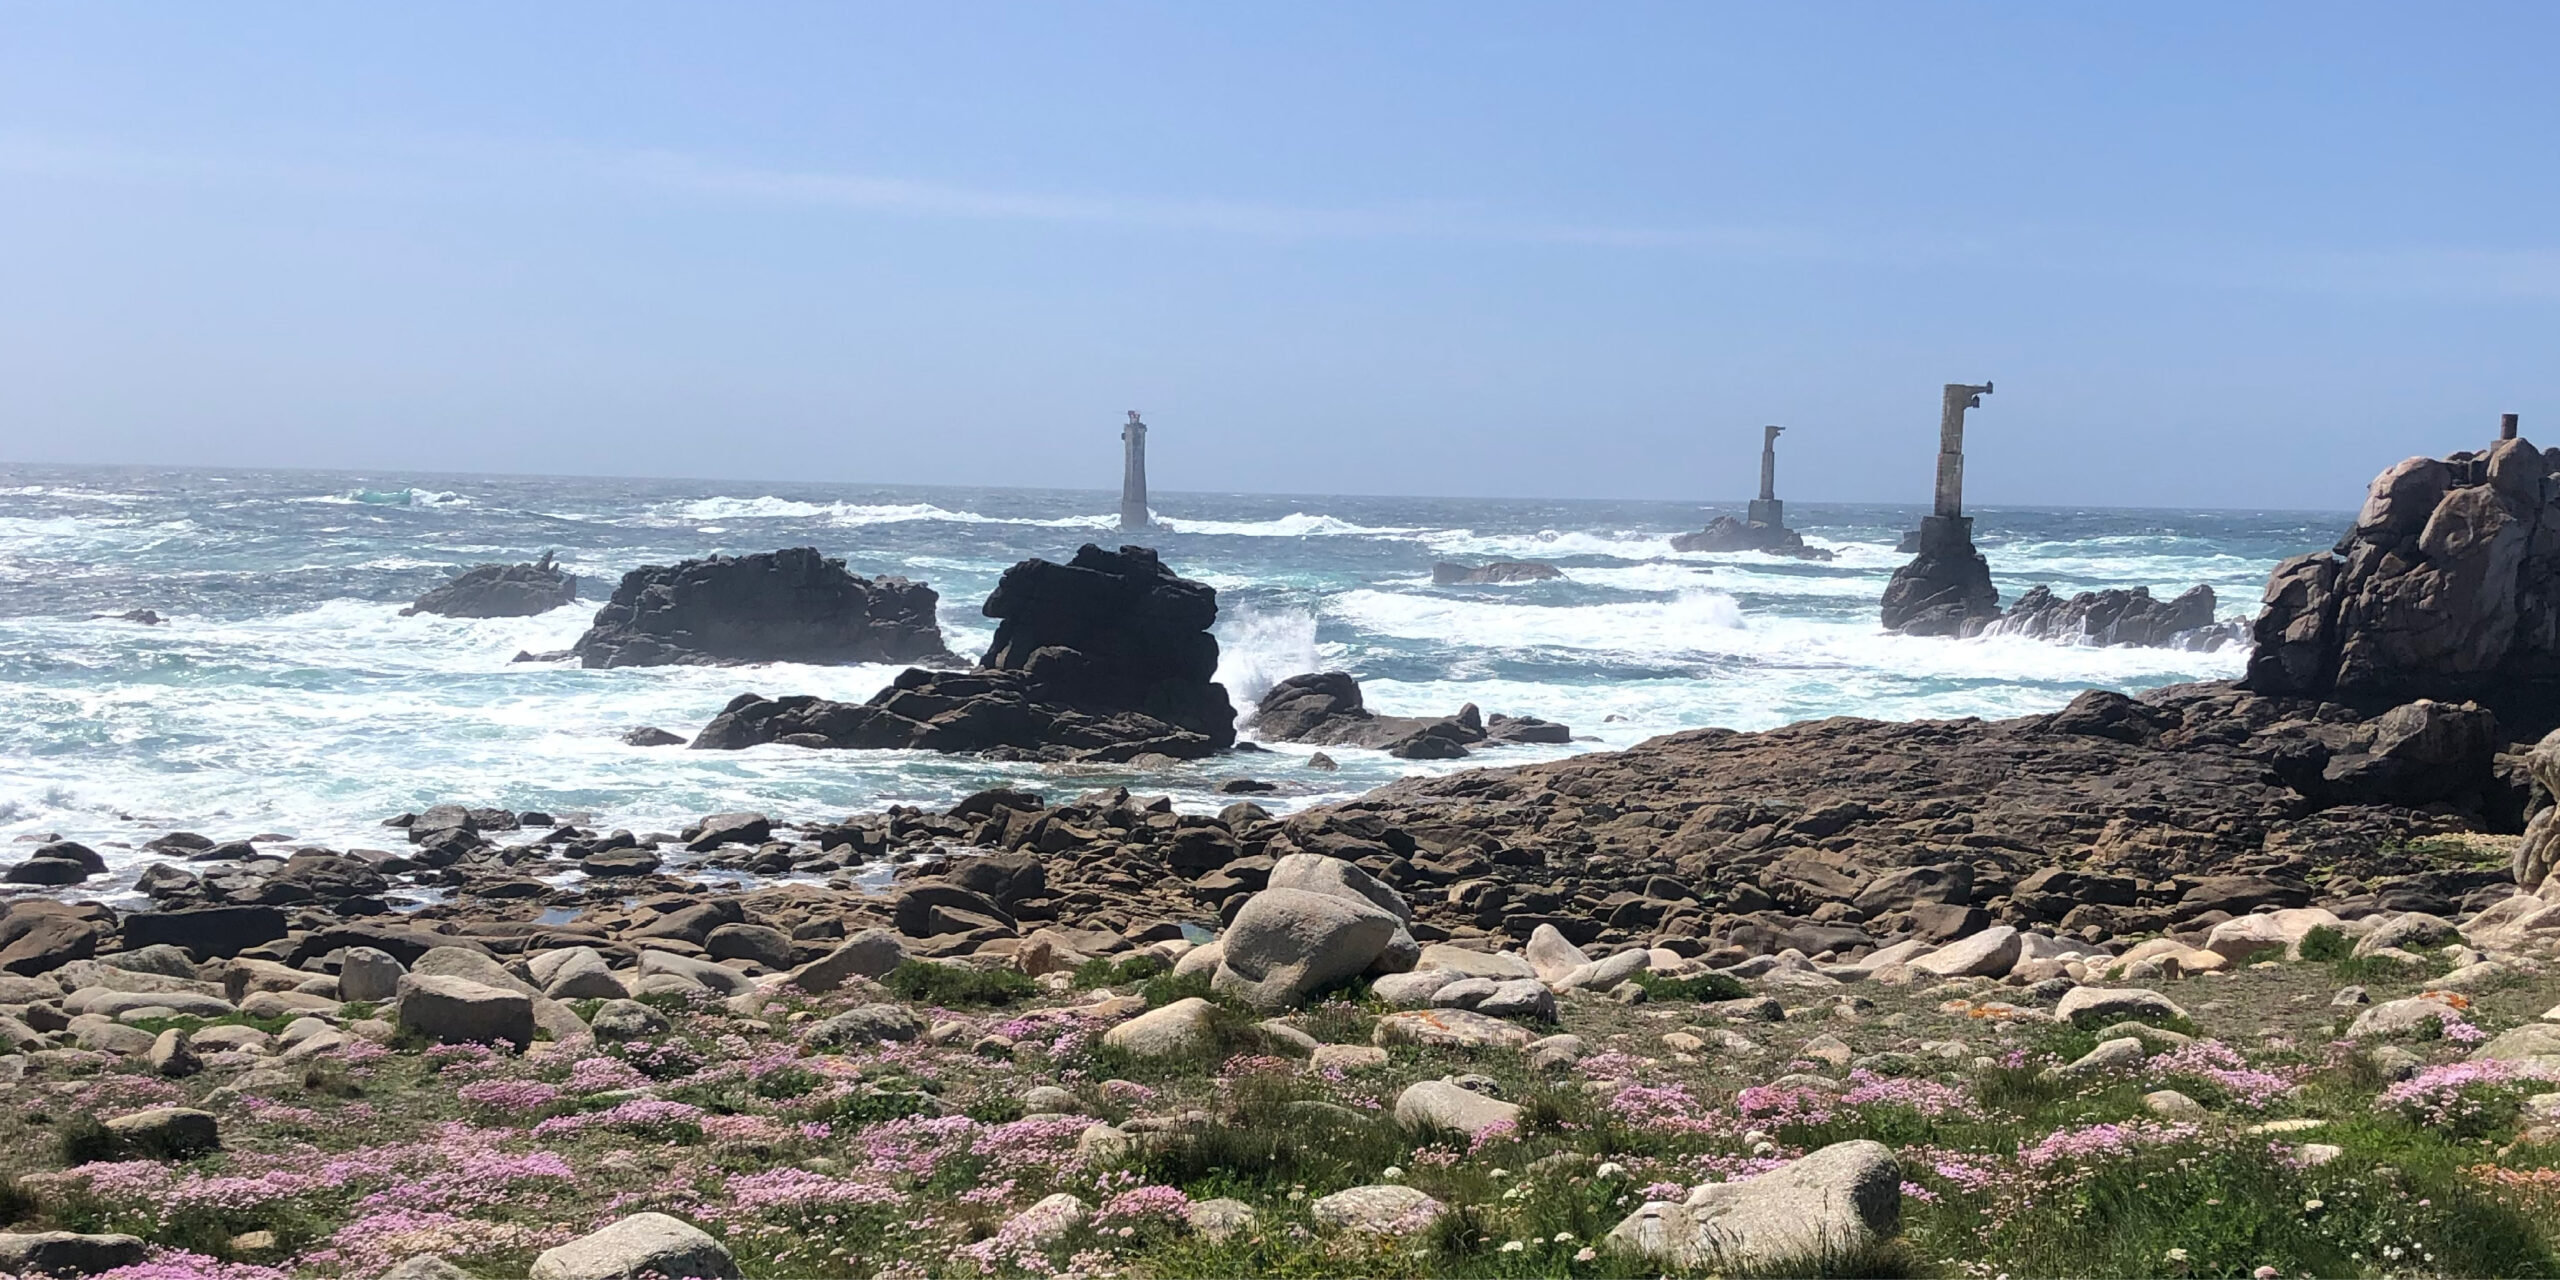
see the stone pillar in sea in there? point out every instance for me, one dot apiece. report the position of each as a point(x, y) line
point(1946, 589)
point(1766, 509)
point(1133, 474)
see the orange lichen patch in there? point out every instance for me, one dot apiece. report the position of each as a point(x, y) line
point(2449, 999)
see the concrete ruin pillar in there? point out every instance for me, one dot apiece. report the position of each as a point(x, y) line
point(1133, 474)
point(1766, 509)
point(2506, 426)
point(1959, 397)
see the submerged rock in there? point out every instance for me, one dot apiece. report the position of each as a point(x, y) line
point(1725, 533)
point(793, 605)
point(1446, 574)
point(501, 591)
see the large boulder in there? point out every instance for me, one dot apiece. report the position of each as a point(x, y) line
point(42, 936)
point(644, 1244)
point(1286, 943)
point(205, 932)
point(459, 1011)
point(1826, 1208)
point(501, 591)
point(2539, 852)
point(793, 605)
point(2448, 583)
point(1441, 1104)
point(65, 1253)
point(1105, 658)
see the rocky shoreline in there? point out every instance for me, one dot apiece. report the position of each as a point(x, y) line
point(1847, 996)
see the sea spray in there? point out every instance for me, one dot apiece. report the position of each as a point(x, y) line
point(1258, 648)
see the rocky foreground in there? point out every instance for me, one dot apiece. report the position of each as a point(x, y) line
point(2202, 983)
point(2298, 1095)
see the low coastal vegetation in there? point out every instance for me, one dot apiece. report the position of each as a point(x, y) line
point(953, 1121)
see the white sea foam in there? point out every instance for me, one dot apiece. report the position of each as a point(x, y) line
point(1259, 648)
point(1665, 627)
point(1549, 543)
point(850, 514)
point(1296, 524)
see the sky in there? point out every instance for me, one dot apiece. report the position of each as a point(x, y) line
point(2211, 255)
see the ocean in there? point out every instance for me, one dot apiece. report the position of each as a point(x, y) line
point(285, 696)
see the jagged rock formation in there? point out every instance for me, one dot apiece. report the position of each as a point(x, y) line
point(2116, 616)
point(1724, 533)
point(2448, 584)
point(1327, 709)
point(500, 591)
point(1107, 657)
point(793, 605)
point(1447, 574)
point(1946, 590)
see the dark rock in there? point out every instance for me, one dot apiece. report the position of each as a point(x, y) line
point(793, 605)
point(730, 828)
point(916, 908)
point(620, 863)
point(2116, 616)
point(2415, 754)
point(1326, 708)
point(144, 616)
point(2240, 895)
point(1106, 658)
point(46, 871)
point(501, 591)
point(178, 842)
point(40, 937)
point(1946, 588)
point(1446, 574)
point(207, 932)
point(1725, 533)
point(651, 736)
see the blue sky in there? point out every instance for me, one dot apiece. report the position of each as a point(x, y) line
point(2212, 255)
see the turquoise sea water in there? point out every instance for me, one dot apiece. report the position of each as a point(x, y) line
point(286, 695)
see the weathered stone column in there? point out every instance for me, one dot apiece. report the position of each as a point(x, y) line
point(1946, 589)
point(1766, 509)
point(2506, 426)
point(1133, 474)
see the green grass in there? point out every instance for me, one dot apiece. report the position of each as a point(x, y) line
point(952, 986)
point(2326, 944)
point(1705, 988)
point(190, 1023)
point(1102, 972)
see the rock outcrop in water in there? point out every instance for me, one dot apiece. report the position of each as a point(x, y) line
point(793, 605)
point(1106, 658)
point(1498, 573)
point(1725, 533)
point(2116, 616)
point(2448, 584)
point(501, 591)
point(1946, 589)
point(1326, 709)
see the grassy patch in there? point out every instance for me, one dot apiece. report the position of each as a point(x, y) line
point(2326, 944)
point(1704, 988)
point(953, 986)
point(1103, 972)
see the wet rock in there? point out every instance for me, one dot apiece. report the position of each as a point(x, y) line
point(1446, 574)
point(500, 591)
point(205, 932)
point(793, 605)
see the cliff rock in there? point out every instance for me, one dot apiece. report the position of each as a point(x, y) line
point(500, 591)
point(2448, 583)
